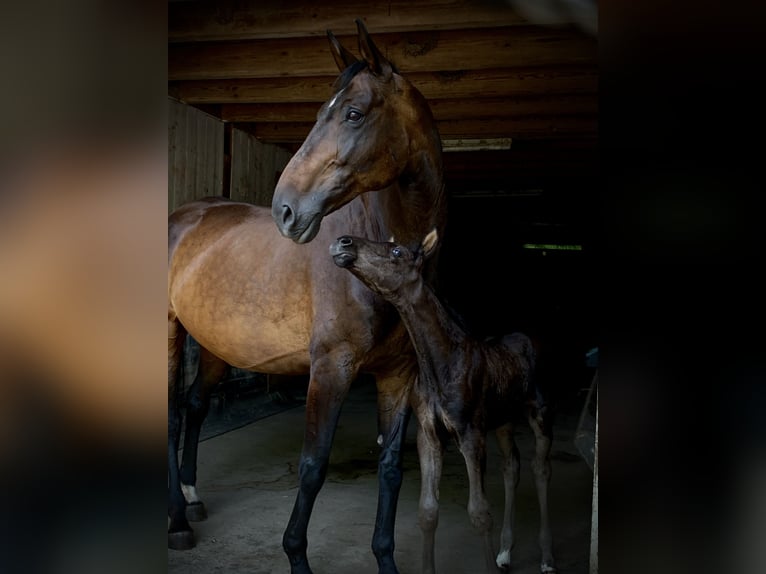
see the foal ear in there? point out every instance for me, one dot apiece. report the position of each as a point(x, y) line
point(343, 58)
point(378, 63)
point(429, 242)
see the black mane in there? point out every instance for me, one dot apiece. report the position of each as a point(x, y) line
point(348, 74)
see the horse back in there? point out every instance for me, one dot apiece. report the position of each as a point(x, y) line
point(510, 363)
point(190, 214)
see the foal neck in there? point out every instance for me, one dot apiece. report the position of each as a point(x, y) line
point(434, 333)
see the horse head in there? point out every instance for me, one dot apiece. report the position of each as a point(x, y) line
point(386, 267)
point(362, 140)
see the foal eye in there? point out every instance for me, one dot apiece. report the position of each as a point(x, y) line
point(354, 116)
point(396, 252)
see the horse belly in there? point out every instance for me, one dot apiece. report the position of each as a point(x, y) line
point(248, 324)
point(254, 343)
point(235, 296)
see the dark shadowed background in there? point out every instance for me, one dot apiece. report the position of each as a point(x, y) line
point(679, 311)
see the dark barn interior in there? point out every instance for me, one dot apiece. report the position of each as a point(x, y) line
point(495, 77)
point(514, 90)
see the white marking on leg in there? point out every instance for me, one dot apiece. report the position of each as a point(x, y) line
point(503, 559)
point(546, 569)
point(380, 440)
point(190, 493)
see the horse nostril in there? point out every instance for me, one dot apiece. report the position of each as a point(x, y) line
point(345, 241)
point(287, 214)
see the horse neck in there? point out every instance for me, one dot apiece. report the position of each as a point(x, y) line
point(415, 203)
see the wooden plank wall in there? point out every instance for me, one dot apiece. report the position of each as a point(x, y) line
point(195, 154)
point(255, 168)
point(196, 161)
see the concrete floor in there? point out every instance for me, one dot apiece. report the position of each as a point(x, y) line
point(248, 479)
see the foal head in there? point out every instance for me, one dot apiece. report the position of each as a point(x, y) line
point(363, 140)
point(387, 268)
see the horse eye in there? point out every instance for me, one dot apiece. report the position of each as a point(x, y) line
point(396, 252)
point(354, 116)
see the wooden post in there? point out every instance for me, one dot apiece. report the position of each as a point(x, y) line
point(594, 511)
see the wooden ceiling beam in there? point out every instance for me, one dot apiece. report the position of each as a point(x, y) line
point(411, 52)
point(470, 165)
point(524, 127)
point(491, 83)
point(447, 109)
point(581, 151)
point(277, 112)
point(265, 66)
point(264, 19)
point(558, 104)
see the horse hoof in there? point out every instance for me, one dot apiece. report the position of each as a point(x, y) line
point(182, 540)
point(547, 569)
point(196, 512)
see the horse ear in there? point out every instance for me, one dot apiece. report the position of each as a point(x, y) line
point(378, 63)
point(343, 58)
point(429, 242)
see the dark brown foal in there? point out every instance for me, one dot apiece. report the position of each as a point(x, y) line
point(465, 388)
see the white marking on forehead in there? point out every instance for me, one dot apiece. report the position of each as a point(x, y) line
point(335, 98)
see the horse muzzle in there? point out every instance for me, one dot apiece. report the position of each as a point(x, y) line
point(343, 251)
point(301, 228)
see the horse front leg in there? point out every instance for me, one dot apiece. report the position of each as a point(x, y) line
point(210, 372)
point(472, 445)
point(540, 421)
point(393, 416)
point(511, 481)
point(327, 390)
point(430, 456)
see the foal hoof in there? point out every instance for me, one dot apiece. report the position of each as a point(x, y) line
point(195, 511)
point(181, 540)
point(547, 569)
point(503, 560)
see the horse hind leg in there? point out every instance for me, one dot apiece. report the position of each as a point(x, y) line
point(539, 420)
point(180, 534)
point(511, 481)
point(210, 372)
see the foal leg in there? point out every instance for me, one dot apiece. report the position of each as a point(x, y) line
point(539, 420)
point(328, 387)
point(211, 370)
point(473, 447)
point(393, 416)
point(430, 455)
point(180, 534)
point(511, 481)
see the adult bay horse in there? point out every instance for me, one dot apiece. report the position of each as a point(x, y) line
point(266, 297)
